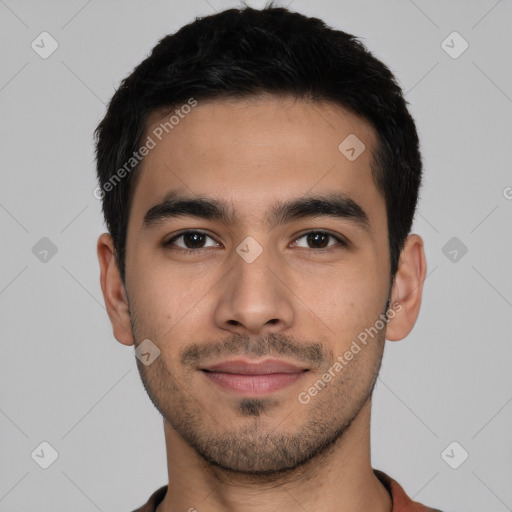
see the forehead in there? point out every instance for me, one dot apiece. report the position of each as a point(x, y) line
point(254, 152)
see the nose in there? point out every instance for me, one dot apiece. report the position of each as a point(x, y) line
point(255, 298)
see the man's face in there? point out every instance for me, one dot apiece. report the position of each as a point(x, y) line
point(259, 286)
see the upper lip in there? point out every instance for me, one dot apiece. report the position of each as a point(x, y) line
point(244, 367)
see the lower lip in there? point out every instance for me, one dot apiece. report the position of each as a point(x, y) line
point(253, 385)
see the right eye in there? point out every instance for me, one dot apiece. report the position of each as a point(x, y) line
point(190, 239)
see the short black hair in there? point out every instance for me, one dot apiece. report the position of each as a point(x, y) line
point(247, 52)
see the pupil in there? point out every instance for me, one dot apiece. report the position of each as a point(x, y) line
point(313, 238)
point(194, 237)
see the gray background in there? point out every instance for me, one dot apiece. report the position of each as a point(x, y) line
point(65, 380)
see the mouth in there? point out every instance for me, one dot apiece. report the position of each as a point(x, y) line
point(253, 379)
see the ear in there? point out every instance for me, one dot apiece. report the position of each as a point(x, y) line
point(114, 293)
point(407, 289)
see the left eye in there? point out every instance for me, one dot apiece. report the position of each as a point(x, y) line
point(320, 239)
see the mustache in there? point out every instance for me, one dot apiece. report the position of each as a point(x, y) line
point(310, 352)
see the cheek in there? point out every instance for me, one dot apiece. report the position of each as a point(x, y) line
point(157, 304)
point(170, 309)
point(347, 301)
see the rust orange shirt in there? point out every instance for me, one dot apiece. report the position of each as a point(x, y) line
point(401, 502)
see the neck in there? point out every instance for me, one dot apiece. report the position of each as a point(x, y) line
point(339, 480)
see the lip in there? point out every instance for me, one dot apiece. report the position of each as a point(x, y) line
point(245, 367)
point(253, 379)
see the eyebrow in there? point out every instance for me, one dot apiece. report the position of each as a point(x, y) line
point(337, 205)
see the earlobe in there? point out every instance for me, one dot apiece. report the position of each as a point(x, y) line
point(114, 293)
point(407, 289)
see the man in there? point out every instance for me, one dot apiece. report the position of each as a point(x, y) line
point(259, 173)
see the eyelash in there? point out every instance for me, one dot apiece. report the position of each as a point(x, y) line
point(169, 243)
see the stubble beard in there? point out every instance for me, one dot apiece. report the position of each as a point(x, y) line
point(256, 448)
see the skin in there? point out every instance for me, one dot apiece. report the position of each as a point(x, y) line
point(292, 302)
